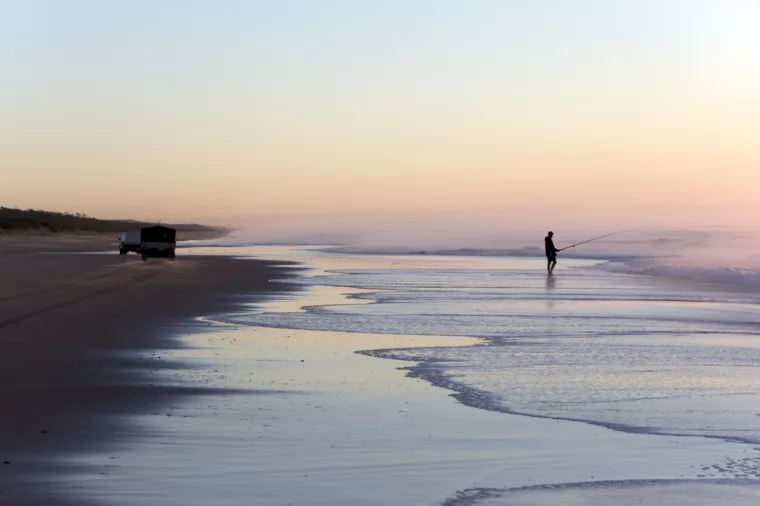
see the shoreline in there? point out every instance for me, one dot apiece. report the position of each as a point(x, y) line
point(305, 420)
point(197, 405)
point(70, 329)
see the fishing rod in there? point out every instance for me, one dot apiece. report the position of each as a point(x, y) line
point(594, 239)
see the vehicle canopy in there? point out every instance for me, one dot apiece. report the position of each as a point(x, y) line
point(158, 234)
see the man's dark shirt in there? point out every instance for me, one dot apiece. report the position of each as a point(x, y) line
point(551, 251)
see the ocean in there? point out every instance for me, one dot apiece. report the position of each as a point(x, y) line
point(595, 343)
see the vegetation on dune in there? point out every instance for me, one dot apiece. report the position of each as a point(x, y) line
point(35, 220)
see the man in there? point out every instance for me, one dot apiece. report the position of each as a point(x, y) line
point(551, 253)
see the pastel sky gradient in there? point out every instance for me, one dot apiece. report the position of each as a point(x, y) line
point(611, 112)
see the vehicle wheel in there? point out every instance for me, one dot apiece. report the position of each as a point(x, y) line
point(144, 258)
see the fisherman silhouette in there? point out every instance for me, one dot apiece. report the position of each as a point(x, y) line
point(551, 253)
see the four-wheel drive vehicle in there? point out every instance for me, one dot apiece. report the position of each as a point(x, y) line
point(149, 242)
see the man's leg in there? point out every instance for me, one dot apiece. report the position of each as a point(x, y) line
point(553, 264)
point(549, 265)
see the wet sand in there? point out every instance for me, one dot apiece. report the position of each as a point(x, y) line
point(68, 323)
point(304, 420)
point(323, 425)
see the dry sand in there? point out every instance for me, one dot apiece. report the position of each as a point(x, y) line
point(65, 321)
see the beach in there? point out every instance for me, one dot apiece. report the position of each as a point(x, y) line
point(381, 379)
point(72, 325)
point(390, 254)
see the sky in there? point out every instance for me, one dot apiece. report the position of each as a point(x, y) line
point(538, 114)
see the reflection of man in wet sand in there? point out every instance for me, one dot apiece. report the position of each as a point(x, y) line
point(551, 253)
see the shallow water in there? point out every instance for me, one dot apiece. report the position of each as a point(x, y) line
point(633, 353)
point(308, 421)
point(625, 493)
point(305, 421)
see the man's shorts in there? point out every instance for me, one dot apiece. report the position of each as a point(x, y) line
point(551, 259)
